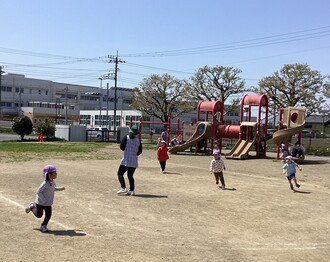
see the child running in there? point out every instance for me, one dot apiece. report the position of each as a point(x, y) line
point(289, 168)
point(45, 197)
point(162, 155)
point(217, 167)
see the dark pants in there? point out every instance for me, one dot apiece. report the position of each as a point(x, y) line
point(297, 152)
point(162, 165)
point(48, 213)
point(219, 176)
point(130, 172)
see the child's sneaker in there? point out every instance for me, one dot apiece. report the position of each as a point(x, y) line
point(122, 191)
point(29, 207)
point(43, 228)
point(291, 186)
point(130, 193)
point(297, 185)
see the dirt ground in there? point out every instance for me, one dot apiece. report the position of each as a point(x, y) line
point(178, 216)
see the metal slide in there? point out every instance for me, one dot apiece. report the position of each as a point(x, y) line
point(240, 150)
point(203, 131)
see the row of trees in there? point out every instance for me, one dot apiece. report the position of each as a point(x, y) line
point(166, 97)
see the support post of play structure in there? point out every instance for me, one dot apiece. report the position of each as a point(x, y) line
point(167, 124)
point(279, 126)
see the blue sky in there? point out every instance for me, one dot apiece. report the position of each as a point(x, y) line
point(69, 41)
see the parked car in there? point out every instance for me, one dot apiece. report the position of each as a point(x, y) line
point(97, 133)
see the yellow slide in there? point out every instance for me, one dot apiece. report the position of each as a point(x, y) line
point(242, 147)
point(203, 131)
point(240, 150)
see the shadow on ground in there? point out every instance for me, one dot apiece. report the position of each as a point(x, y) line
point(314, 162)
point(150, 196)
point(301, 192)
point(70, 232)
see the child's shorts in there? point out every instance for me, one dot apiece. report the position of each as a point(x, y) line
point(293, 175)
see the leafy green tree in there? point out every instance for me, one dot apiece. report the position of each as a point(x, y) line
point(218, 83)
point(47, 128)
point(295, 85)
point(163, 97)
point(22, 126)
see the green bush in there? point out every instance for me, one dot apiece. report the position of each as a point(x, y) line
point(47, 128)
point(22, 126)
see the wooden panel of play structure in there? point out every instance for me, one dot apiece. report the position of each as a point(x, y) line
point(293, 122)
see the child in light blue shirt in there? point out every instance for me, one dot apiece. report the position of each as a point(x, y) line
point(289, 168)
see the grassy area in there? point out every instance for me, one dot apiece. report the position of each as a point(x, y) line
point(59, 147)
point(18, 151)
point(317, 146)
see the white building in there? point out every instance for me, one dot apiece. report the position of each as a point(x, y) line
point(39, 99)
point(91, 118)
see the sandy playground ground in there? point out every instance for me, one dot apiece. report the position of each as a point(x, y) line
point(178, 216)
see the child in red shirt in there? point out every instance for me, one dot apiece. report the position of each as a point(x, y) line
point(162, 155)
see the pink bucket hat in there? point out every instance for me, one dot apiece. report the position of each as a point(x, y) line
point(289, 158)
point(48, 169)
point(216, 152)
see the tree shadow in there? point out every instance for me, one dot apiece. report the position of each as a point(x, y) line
point(314, 162)
point(69, 232)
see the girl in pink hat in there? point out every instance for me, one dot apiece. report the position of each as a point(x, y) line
point(45, 197)
point(217, 167)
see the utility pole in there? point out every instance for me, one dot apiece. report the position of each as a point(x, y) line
point(66, 105)
point(100, 97)
point(0, 91)
point(116, 61)
point(103, 77)
point(108, 107)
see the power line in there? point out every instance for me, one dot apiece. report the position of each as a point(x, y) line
point(256, 42)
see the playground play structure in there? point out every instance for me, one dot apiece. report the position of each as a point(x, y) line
point(250, 134)
point(291, 122)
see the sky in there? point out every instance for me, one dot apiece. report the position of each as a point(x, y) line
point(71, 41)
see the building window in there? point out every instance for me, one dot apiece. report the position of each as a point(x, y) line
point(39, 92)
point(46, 92)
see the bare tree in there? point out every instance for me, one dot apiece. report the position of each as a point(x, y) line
point(163, 97)
point(295, 84)
point(217, 83)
